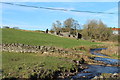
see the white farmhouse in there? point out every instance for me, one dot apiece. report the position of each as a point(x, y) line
point(116, 30)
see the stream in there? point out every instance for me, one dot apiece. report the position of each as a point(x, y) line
point(96, 70)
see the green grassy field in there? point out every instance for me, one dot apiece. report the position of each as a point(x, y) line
point(36, 38)
point(26, 64)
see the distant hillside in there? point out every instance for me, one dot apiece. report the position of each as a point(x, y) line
point(36, 38)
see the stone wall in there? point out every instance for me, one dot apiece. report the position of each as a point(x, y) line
point(63, 34)
point(23, 48)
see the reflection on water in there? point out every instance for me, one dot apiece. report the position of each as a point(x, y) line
point(96, 70)
point(108, 60)
point(92, 51)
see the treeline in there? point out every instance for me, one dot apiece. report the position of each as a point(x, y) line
point(92, 30)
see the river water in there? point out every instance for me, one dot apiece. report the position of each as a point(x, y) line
point(96, 70)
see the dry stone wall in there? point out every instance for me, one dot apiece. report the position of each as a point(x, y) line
point(23, 48)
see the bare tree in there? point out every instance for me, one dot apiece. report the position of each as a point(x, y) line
point(97, 30)
point(71, 24)
point(57, 27)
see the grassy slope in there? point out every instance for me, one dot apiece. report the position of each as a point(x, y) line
point(36, 38)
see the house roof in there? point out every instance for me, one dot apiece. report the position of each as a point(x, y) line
point(116, 29)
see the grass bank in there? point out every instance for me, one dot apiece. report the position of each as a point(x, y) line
point(112, 51)
point(24, 65)
point(36, 38)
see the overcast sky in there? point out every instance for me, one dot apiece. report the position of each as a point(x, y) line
point(41, 19)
